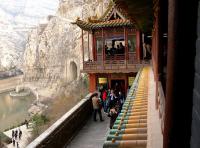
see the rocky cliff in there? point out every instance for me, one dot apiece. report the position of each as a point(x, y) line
point(52, 57)
point(17, 18)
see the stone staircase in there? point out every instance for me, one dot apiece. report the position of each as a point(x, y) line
point(130, 128)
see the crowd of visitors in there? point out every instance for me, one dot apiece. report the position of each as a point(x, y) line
point(111, 101)
point(112, 51)
point(16, 137)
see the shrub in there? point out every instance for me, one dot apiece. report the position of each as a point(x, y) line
point(38, 122)
point(4, 138)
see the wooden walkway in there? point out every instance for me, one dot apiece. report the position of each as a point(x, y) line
point(142, 103)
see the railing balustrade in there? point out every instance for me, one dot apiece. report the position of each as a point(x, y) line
point(113, 64)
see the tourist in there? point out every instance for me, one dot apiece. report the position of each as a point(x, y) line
point(16, 134)
point(121, 99)
point(17, 143)
point(96, 106)
point(111, 100)
point(118, 50)
point(121, 48)
point(104, 97)
point(26, 122)
point(20, 134)
point(13, 142)
point(113, 113)
point(113, 50)
point(13, 134)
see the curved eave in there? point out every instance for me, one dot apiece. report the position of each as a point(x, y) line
point(94, 26)
point(141, 11)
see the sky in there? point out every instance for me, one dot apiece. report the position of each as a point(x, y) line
point(29, 12)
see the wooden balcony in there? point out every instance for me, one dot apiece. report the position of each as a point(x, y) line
point(113, 66)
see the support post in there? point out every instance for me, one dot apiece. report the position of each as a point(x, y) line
point(82, 47)
point(138, 44)
point(126, 46)
point(88, 45)
point(103, 50)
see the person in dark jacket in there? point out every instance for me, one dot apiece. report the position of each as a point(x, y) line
point(113, 115)
point(96, 107)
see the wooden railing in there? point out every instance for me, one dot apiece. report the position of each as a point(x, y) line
point(117, 65)
point(161, 105)
point(130, 56)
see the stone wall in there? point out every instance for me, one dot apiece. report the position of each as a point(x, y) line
point(63, 130)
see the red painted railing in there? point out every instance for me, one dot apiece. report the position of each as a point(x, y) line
point(127, 65)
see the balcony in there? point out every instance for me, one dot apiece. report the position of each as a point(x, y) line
point(113, 64)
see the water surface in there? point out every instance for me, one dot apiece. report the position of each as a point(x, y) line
point(13, 110)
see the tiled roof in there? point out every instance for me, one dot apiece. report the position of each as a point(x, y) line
point(104, 24)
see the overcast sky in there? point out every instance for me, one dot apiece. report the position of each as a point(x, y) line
point(27, 11)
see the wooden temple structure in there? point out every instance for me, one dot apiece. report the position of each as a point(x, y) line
point(115, 53)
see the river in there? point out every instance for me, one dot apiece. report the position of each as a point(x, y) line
point(13, 110)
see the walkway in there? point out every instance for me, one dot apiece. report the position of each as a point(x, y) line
point(92, 135)
point(140, 126)
point(26, 135)
point(154, 123)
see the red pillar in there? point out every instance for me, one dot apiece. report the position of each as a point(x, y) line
point(82, 47)
point(103, 50)
point(93, 47)
point(138, 44)
point(126, 45)
point(92, 83)
point(88, 45)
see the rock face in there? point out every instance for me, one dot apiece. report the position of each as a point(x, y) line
point(52, 57)
point(17, 18)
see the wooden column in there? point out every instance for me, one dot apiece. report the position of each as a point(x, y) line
point(92, 83)
point(82, 47)
point(181, 52)
point(94, 47)
point(109, 81)
point(88, 45)
point(138, 44)
point(103, 50)
point(126, 85)
point(126, 45)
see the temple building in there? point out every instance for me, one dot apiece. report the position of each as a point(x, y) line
point(115, 56)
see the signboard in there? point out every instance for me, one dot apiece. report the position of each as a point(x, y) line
point(102, 80)
point(130, 80)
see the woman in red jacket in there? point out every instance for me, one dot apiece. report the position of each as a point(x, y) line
point(104, 97)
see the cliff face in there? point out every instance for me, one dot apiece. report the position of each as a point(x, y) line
point(17, 18)
point(52, 57)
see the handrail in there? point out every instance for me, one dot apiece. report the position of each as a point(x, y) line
point(114, 137)
point(114, 65)
point(50, 135)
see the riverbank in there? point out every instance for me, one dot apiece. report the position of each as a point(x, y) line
point(9, 84)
